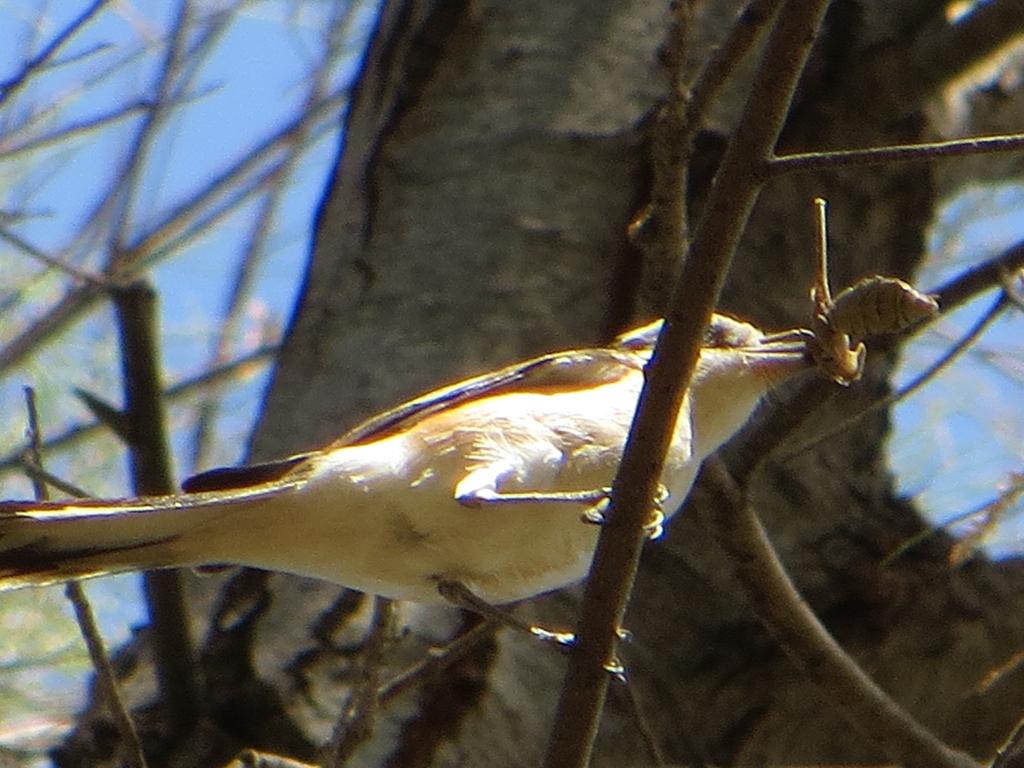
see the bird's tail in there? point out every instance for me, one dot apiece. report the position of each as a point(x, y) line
point(47, 542)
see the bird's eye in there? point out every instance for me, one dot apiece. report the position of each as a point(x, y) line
point(724, 331)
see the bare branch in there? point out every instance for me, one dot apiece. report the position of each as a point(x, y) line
point(51, 261)
point(643, 725)
point(978, 279)
point(39, 475)
point(22, 133)
point(660, 230)
point(989, 512)
point(946, 54)
point(250, 758)
point(437, 660)
point(743, 33)
point(1011, 753)
point(149, 451)
point(901, 153)
point(356, 721)
point(668, 375)
point(183, 389)
point(10, 150)
point(10, 86)
point(255, 250)
point(806, 641)
point(121, 199)
point(193, 215)
point(86, 620)
point(248, 163)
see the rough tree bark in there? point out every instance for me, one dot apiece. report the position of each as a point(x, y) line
point(494, 155)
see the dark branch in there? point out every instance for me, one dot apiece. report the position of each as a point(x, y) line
point(618, 551)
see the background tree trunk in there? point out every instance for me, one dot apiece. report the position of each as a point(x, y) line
point(493, 157)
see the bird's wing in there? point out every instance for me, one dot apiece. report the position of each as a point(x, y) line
point(228, 478)
point(557, 371)
point(560, 370)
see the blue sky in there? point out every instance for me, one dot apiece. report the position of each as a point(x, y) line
point(957, 441)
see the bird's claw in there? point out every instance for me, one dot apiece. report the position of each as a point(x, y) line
point(654, 528)
point(615, 668)
point(566, 639)
point(596, 514)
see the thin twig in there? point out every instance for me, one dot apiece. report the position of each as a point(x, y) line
point(437, 660)
point(806, 641)
point(251, 758)
point(81, 128)
point(86, 621)
point(116, 205)
point(105, 673)
point(661, 230)
point(357, 718)
point(743, 33)
point(192, 215)
point(180, 390)
point(54, 262)
point(990, 510)
point(77, 57)
point(255, 250)
point(1011, 753)
point(120, 202)
point(900, 153)
point(46, 115)
point(23, 136)
point(247, 165)
point(10, 86)
point(244, 279)
point(729, 204)
point(39, 475)
point(10, 150)
point(643, 725)
point(951, 49)
point(978, 279)
point(1010, 289)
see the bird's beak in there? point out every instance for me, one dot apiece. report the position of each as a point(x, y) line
point(778, 356)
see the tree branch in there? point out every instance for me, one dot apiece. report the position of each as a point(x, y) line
point(105, 677)
point(954, 49)
point(806, 641)
point(903, 153)
point(79, 431)
point(10, 86)
point(742, 35)
point(986, 275)
point(174, 657)
point(729, 204)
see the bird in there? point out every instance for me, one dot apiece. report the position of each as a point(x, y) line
point(484, 483)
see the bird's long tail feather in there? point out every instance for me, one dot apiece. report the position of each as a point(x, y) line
point(47, 542)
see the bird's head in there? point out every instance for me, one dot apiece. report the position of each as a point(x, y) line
point(738, 365)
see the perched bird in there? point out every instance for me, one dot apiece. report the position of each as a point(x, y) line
point(481, 483)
